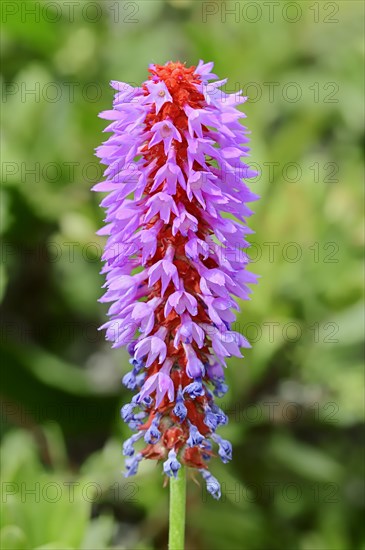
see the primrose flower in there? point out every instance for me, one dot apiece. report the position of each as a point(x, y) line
point(176, 210)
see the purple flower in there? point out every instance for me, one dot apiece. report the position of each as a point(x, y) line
point(160, 204)
point(180, 410)
point(165, 271)
point(194, 367)
point(159, 94)
point(224, 449)
point(213, 486)
point(165, 131)
point(152, 347)
point(153, 434)
point(195, 389)
point(181, 301)
point(128, 445)
point(195, 437)
point(175, 261)
point(132, 464)
point(169, 175)
point(171, 466)
point(161, 383)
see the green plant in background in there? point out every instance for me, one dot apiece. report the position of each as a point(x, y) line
point(46, 509)
point(296, 408)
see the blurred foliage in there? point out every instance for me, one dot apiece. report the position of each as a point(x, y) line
point(296, 402)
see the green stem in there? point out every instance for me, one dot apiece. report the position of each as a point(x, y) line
point(177, 510)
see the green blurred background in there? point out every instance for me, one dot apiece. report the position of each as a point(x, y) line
point(296, 400)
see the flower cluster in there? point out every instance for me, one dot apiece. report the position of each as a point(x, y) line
point(174, 259)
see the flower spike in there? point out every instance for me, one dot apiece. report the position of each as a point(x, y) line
point(176, 210)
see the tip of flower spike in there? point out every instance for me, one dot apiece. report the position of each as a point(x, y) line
point(181, 86)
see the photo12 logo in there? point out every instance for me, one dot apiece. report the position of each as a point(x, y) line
point(117, 11)
point(268, 492)
point(270, 11)
point(52, 492)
